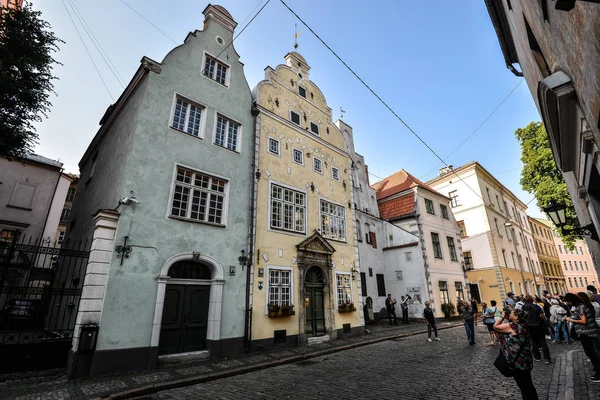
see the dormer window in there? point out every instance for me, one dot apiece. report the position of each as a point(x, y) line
point(295, 117)
point(215, 70)
point(314, 128)
point(302, 91)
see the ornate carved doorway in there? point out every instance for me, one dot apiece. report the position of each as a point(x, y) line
point(314, 285)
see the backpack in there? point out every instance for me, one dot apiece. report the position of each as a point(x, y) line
point(533, 314)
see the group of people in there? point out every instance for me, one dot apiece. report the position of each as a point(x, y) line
point(390, 306)
point(522, 329)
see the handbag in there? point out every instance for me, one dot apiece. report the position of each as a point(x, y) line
point(503, 366)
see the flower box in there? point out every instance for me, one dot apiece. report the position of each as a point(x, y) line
point(346, 308)
point(280, 314)
point(277, 311)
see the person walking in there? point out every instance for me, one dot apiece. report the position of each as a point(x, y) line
point(537, 328)
point(489, 318)
point(515, 347)
point(557, 317)
point(391, 308)
point(466, 315)
point(585, 327)
point(404, 306)
point(429, 318)
point(509, 303)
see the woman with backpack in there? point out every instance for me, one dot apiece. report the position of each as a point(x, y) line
point(586, 329)
point(557, 317)
point(490, 315)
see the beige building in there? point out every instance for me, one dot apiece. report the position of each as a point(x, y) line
point(577, 265)
point(496, 238)
point(548, 255)
point(65, 214)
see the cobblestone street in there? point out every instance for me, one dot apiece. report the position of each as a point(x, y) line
point(408, 368)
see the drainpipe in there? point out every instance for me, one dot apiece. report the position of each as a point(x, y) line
point(251, 226)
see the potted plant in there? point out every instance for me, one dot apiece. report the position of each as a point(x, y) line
point(276, 311)
point(346, 307)
point(448, 309)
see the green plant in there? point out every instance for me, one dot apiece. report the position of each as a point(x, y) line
point(448, 308)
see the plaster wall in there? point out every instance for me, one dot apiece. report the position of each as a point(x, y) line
point(58, 201)
point(577, 265)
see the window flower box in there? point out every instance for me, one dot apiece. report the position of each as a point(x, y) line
point(277, 311)
point(346, 308)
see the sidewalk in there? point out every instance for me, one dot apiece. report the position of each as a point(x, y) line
point(55, 385)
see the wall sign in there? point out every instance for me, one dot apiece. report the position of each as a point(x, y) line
point(232, 270)
point(261, 272)
point(260, 285)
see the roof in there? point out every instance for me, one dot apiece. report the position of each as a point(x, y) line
point(397, 183)
point(397, 207)
point(223, 10)
point(43, 160)
point(401, 246)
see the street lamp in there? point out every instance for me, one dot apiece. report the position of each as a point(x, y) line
point(556, 213)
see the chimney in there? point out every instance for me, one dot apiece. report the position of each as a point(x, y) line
point(445, 170)
point(367, 173)
point(219, 15)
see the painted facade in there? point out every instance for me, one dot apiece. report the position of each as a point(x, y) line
point(560, 66)
point(548, 255)
point(305, 250)
point(417, 208)
point(168, 177)
point(498, 249)
point(577, 265)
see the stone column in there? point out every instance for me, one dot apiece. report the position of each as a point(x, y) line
point(94, 286)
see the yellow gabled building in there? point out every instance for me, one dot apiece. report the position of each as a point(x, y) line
point(304, 243)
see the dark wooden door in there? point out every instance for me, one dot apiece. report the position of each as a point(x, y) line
point(184, 319)
point(315, 312)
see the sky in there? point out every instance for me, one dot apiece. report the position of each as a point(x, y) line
point(436, 63)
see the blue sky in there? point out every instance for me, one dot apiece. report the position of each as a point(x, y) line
point(436, 63)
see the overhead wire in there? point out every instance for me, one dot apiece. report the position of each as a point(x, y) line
point(148, 21)
point(88, 51)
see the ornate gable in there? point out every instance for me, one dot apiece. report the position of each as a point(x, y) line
point(316, 244)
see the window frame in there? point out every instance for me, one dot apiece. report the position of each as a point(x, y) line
point(363, 284)
point(428, 203)
point(203, 111)
point(268, 285)
point(440, 255)
point(213, 78)
point(294, 150)
point(271, 138)
point(446, 298)
point(345, 220)
point(468, 257)
point(310, 128)
point(300, 94)
point(379, 288)
point(299, 118)
point(238, 133)
point(71, 194)
point(444, 211)
point(269, 219)
point(320, 170)
point(452, 249)
point(225, 193)
point(453, 195)
point(333, 175)
point(348, 275)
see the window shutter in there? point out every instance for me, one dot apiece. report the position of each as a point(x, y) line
point(373, 239)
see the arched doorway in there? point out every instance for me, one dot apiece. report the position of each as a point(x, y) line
point(314, 287)
point(184, 323)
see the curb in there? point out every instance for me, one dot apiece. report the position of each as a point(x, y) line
point(158, 387)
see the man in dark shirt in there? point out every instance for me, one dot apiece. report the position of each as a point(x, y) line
point(430, 320)
point(466, 315)
point(391, 308)
point(536, 324)
point(474, 307)
point(404, 305)
point(595, 296)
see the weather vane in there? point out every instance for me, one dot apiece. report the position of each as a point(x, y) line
point(296, 34)
point(342, 113)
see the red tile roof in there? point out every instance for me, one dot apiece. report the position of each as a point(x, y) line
point(397, 207)
point(396, 183)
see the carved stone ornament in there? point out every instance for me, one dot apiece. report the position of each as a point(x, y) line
point(150, 66)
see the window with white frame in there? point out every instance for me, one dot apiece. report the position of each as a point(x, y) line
point(437, 247)
point(61, 237)
point(64, 216)
point(314, 128)
point(71, 194)
point(226, 134)
point(335, 174)
point(429, 207)
point(215, 70)
point(452, 248)
point(280, 290)
point(344, 288)
point(333, 221)
point(288, 209)
point(453, 198)
point(301, 91)
point(295, 117)
point(298, 156)
point(317, 165)
point(198, 196)
point(187, 116)
point(444, 211)
point(274, 146)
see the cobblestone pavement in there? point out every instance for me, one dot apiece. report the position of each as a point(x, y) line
point(407, 368)
point(54, 385)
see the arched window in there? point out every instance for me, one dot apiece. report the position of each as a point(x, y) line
point(189, 269)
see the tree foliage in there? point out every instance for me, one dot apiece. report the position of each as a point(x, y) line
point(541, 177)
point(26, 48)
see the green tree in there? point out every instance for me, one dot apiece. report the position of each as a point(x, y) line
point(26, 48)
point(541, 177)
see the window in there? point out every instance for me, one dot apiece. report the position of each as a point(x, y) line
point(298, 156)
point(504, 257)
point(506, 208)
point(468, 260)
point(497, 227)
point(581, 250)
point(381, 285)
point(64, 216)
point(367, 233)
point(274, 146)
point(576, 267)
point(317, 165)
point(570, 282)
point(226, 134)
point(586, 281)
point(512, 287)
point(288, 209)
point(452, 248)
point(363, 284)
point(463, 230)
point(581, 265)
point(333, 221)
point(429, 207)
point(460, 294)
point(437, 248)
point(570, 266)
point(187, 116)
point(344, 288)
point(335, 174)
point(371, 273)
point(295, 117)
point(586, 266)
point(580, 282)
point(444, 211)
point(444, 297)
point(488, 194)
point(302, 91)
point(71, 194)
point(512, 255)
point(198, 197)
point(215, 70)
point(522, 241)
point(280, 286)
point(520, 288)
point(453, 198)
point(61, 237)
point(93, 168)
point(358, 231)
point(498, 202)
point(314, 128)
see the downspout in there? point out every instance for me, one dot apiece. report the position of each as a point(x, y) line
point(254, 176)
